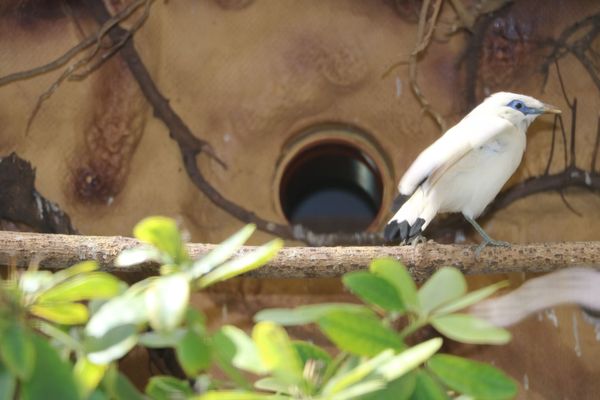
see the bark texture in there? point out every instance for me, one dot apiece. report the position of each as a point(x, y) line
point(59, 251)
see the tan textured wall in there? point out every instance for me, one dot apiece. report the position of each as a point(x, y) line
point(247, 76)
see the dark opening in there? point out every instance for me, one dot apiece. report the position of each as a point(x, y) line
point(331, 187)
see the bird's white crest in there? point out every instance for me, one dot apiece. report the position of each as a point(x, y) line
point(467, 166)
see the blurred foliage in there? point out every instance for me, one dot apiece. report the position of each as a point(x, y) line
point(62, 334)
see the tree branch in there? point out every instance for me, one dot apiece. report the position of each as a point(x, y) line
point(60, 251)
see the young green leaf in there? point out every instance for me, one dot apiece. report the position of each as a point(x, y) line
point(167, 300)
point(237, 395)
point(271, 384)
point(17, 351)
point(468, 329)
point(373, 290)
point(139, 255)
point(409, 359)
point(398, 389)
point(470, 298)
point(308, 351)
point(49, 369)
point(426, 388)
point(153, 339)
point(246, 355)
point(355, 391)
point(245, 263)
point(359, 333)
point(86, 286)
point(445, 285)
point(35, 281)
point(396, 274)
point(76, 269)
point(472, 378)
point(193, 353)
point(345, 379)
point(126, 309)
point(61, 313)
point(162, 233)
point(8, 383)
point(168, 388)
point(112, 345)
point(277, 352)
point(88, 375)
point(307, 314)
point(222, 252)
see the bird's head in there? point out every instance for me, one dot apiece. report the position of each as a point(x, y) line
point(519, 109)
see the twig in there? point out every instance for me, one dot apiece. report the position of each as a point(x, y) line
point(60, 251)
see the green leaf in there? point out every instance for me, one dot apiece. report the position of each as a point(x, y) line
point(160, 340)
point(61, 313)
point(245, 263)
point(111, 345)
point(139, 255)
point(470, 298)
point(277, 352)
point(246, 355)
point(76, 269)
point(398, 389)
point(271, 384)
point(88, 375)
point(468, 329)
point(396, 273)
point(445, 285)
point(359, 333)
point(224, 351)
point(237, 395)
point(8, 383)
point(119, 387)
point(168, 388)
point(409, 359)
point(167, 300)
point(162, 233)
point(472, 378)
point(426, 388)
point(307, 314)
point(345, 379)
point(52, 377)
point(373, 290)
point(360, 389)
point(126, 309)
point(17, 351)
point(222, 252)
point(193, 353)
point(308, 351)
point(35, 281)
point(86, 286)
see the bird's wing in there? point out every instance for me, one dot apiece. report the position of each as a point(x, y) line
point(470, 133)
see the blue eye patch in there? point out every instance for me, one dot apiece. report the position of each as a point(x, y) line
point(520, 106)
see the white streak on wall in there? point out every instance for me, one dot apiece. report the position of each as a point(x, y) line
point(398, 87)
point(525, 382)
point(595, 322)
point(576, 335)
point(551, 315)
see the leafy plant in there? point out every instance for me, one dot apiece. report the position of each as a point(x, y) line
point(62, 334)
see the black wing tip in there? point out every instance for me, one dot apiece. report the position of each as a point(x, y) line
point(402, 232)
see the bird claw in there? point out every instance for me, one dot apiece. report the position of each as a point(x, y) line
point(490, 242)
point(419, 239)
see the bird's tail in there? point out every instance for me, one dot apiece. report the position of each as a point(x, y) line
point(411, 219)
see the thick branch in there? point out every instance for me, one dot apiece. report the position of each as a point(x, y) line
point(59, 251)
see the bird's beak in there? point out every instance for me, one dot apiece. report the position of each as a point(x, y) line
point(548, 109)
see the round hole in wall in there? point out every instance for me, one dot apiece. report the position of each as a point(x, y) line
point(331, 186)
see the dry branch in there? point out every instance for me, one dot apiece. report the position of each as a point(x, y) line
point(59, 251)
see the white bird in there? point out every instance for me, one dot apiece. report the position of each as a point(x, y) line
point(464, 170)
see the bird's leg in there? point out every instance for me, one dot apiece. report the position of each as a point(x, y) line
point(487, 240)
point(419, 239)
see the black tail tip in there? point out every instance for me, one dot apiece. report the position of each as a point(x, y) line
point(401, 232)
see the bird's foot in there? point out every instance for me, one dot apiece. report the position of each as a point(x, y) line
point(490, 242)
point(419, 239)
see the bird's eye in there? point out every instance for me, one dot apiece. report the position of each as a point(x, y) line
point(518, 105)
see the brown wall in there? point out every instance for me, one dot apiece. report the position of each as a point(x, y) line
point(247, 76)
